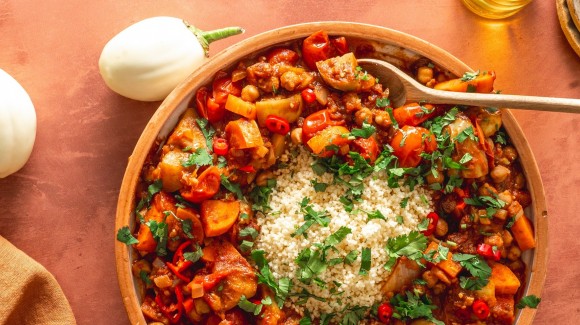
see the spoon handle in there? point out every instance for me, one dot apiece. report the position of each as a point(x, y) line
point(552, 104)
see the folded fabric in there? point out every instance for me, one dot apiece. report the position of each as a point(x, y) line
point(29, 294)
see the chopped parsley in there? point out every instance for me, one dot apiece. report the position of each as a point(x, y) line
point(365, 132)
point(260, 196)
point(412, 306)
point(530, 301)
point(479, 269)
point(365, 264)
point(195, 255)
point(281, 288)
point(353, 315)
point(383, 102)
point(124, 235)
point(249, 231)
point(199, 158)
point(232, 187)
point(159, 231)
point(249, 306)
point(246, 246)
point(410, 245)
point(318, 187)
point(145, 277)
point(311, 217)
point(152, 189)
point(207, 130)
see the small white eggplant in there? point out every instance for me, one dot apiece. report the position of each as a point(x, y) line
point(17, 125)
point(148, 59)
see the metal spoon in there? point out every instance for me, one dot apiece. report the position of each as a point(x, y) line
point(404, 88)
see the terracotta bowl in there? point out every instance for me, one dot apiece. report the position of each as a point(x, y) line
point(396, 47)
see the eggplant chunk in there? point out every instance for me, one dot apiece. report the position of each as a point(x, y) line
point(342, 73)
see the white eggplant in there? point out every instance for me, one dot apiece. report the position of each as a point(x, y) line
point(148, 59)
point(17, 125)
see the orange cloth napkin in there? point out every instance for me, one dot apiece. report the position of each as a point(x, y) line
point(29, 294)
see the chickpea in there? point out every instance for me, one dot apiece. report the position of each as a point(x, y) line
point(250, 93)
point(505, 196)
point(424, 74)
point(430, 278)
point(514, 253)
point(516, 265)
point(514, 209)
point(494, 240)
point(363, 115)
point(500, 214)
point(520, 181)
point(296, 136)
point(432, 179)
point(441, 228)
point(439, 288)
point(263, 177)
point(510, 153)
point(499, 173)
point(487, 190)
point(507, 237)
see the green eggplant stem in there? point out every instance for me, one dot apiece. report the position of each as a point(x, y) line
point(206, 38)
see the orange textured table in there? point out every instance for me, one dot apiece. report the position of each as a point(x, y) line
point(60, 207)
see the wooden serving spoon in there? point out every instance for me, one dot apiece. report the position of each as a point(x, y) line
point(403, 88)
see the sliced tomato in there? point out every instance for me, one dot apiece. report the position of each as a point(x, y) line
point(282, 55)
point(201, 102)
point(340, 45)
point(414, 114)
point(208, 185)
point(214, 108)
point(368, 148)
point(317, 122)
point(409, 142)
point(316, 47)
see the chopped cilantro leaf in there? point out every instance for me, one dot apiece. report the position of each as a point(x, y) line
point(351, 257)
point(199, 158)
point(246, 246)
point(404, 202)
point(466, 158)
point(375, 215)
point(281, 288)
point(159, 231)
point(145, 277)
point(468, 76)
point(207, 130)
point(124, 235)
point(249, 231)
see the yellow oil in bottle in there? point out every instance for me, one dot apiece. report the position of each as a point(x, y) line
point(495, 9)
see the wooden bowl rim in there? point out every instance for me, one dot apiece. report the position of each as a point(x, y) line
point(126, 204)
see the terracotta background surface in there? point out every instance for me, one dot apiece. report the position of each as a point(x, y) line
point(60, 208)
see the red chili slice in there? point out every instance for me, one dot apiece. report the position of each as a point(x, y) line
point(220, 146)
point(248, 169)
point(487, 251)
point(480, 309)
point(433, 220)
point(277, 124)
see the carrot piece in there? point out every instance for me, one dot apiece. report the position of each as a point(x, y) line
point(239, 106)
point(523, 233)
point(218, 216)
point(505, 281)
point(449, 266)
point(243, 134)
point(483, 83)
point(332, 135)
